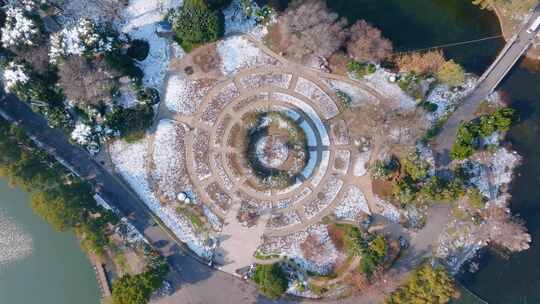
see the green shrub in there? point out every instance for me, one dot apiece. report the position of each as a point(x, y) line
point(426, 285)
point(344, 100)
point(476, 198)
point(383, 169)
point(131, 122)
point(148, 96)
point(137, 289)
point(372, 249)
point(429, 106)
point(360, 69)
point(123, 64)
point(464, 146)
point(138, 49)
point(271, 280)
point(218, 4)
point(469, 133)
point(410, 84)
point(195, 23)
point(415, 167)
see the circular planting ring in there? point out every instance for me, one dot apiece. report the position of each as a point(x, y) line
point(305, 150)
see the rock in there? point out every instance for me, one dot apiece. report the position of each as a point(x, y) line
point(181, 196)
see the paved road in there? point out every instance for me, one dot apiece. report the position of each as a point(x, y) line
point(508, 57)
point(195, 282)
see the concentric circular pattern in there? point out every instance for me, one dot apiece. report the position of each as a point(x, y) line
point(275, 150)
point(268, 139)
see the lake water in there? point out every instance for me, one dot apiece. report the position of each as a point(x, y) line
point(37, 264)
point(415, 24)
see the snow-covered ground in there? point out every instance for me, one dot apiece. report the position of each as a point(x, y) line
point(387, 210)
point(237, 52)
point(140, 20)
point(322, 257)
point(324, 198)
point(503, 163)
point(358, 95)
point(283, 219)
point(130, 161)
point(327, 107)
point(448, 100)
point(184, 96)
point(352, 205)
point(236, 20)
point(380, 82)
point(169, 158)
point(361, 163)
point(342, 161)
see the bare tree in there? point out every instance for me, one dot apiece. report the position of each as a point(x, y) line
point(308, 29)
point(367, 44)
point(505, 230)
point(85, 81)
point(421, 63)
point(37, 57)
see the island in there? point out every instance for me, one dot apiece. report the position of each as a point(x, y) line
point(283, 149)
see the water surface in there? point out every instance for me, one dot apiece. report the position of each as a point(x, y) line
point(55, 271)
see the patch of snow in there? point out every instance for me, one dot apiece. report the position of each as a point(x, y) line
point(352, 205)
point(236, 21)
point(361, 163)
point(503, 162)
point(324, 198)
point(448, 100)
point(379, 82)
point(358, 95)
point(184, 96)
point(309, 111)
point(102, 203)
point(19, 30)
point(130, 161)
point(225, 95)
point(288, 202)
point(321, 169)
point(15, 74)
point(387, 210)
point(479, 177)
point(169, 158)
point(316, 95)
point(290, 246)
point(254, 81)
point(81, 134)
point(214, 220)
point(237, 53)
point(80, 38)
point(140, 20)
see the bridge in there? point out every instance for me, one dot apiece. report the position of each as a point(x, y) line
point(492, 77)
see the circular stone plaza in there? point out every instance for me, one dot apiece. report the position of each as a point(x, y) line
point(245, 166)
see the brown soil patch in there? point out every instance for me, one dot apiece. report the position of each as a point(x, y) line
point(203, 62)
point(273, 38)
point(338, 63)
point(382, 188)
point(311, 248)
point(336, 235)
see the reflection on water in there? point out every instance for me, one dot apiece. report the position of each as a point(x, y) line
point(38, 264)
point(15, 243)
